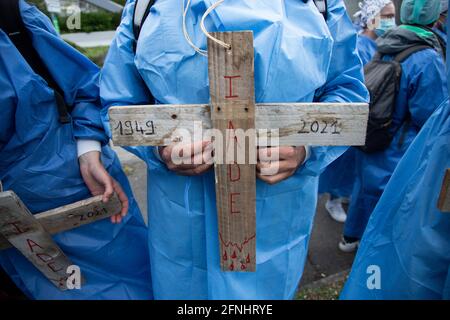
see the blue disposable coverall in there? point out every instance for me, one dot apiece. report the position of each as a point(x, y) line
point(38, 161)
point(366, 48)
point(298, 57)
point(339, 177)
point(423, 87)
point(408, 238)
point(441, 34)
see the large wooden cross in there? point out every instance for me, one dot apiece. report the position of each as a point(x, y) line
point(231, 79)
point(31, 234)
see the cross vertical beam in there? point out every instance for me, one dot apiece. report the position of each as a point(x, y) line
point(231, 79)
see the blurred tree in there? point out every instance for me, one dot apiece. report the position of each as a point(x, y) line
point(122, 2)
point(40, 4)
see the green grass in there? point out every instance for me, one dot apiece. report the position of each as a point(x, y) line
point(95, 54)
point(122, 2)
point(324, 292)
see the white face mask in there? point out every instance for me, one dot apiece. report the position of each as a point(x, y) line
point(385, 25)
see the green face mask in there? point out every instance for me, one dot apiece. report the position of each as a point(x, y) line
point(385, 25)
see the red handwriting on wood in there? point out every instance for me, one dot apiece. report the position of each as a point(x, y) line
point(60, 282)
point(32, 244)
point(231, 134)
point(231, 79)
point(234, 172)
point(232, 247)
point(239, 246)
point(232, 197)
point(16, 225)
point(44, 257)
point(230, 86)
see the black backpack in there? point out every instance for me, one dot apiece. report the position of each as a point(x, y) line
point(142, 9)
point(382, 79)
point(12, 24)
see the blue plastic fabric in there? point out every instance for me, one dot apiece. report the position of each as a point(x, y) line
point(38, 161)
point(423, 87)
point(339, 177)
point(184, 246)
point(366, 48)
point(407, 237)
point(441, 34)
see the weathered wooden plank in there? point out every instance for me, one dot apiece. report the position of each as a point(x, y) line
point(444, 196)
point(74, 215)
point(298, 123)
point(231, 78)
point(25, 233)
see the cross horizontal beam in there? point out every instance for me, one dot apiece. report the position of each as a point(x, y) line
point(325, 124)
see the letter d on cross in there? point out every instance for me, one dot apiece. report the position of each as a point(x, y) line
point(374, 279)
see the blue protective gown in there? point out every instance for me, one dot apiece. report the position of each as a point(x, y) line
point(407, 237)
point(441, 34)
point(38, 161)
point(339, 177)
point(423, 87)
point(298, 57)
point(366, 48)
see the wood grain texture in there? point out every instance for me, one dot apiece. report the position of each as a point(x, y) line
point(231, 79)
point(73, 215)
point(324, 124)
point(444, 196)
point(26, 234)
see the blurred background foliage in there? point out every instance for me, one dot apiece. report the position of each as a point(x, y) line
point(90, 21)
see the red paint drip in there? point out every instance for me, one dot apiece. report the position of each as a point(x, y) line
point(243, 267)
point(238, 246)
point(248, 258)
point(225, 257)
point(233, 256)
point(232, 266)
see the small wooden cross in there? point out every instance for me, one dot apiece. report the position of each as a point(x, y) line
point(231, 79)
point(31, 234)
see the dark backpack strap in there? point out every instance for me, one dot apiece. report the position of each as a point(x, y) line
point(377, 56)
point(322, 6)
point(402, 56)
point(12, 24)
point(141, 11)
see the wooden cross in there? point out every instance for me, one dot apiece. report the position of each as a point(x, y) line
point(31, 234)
point(231, 79)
